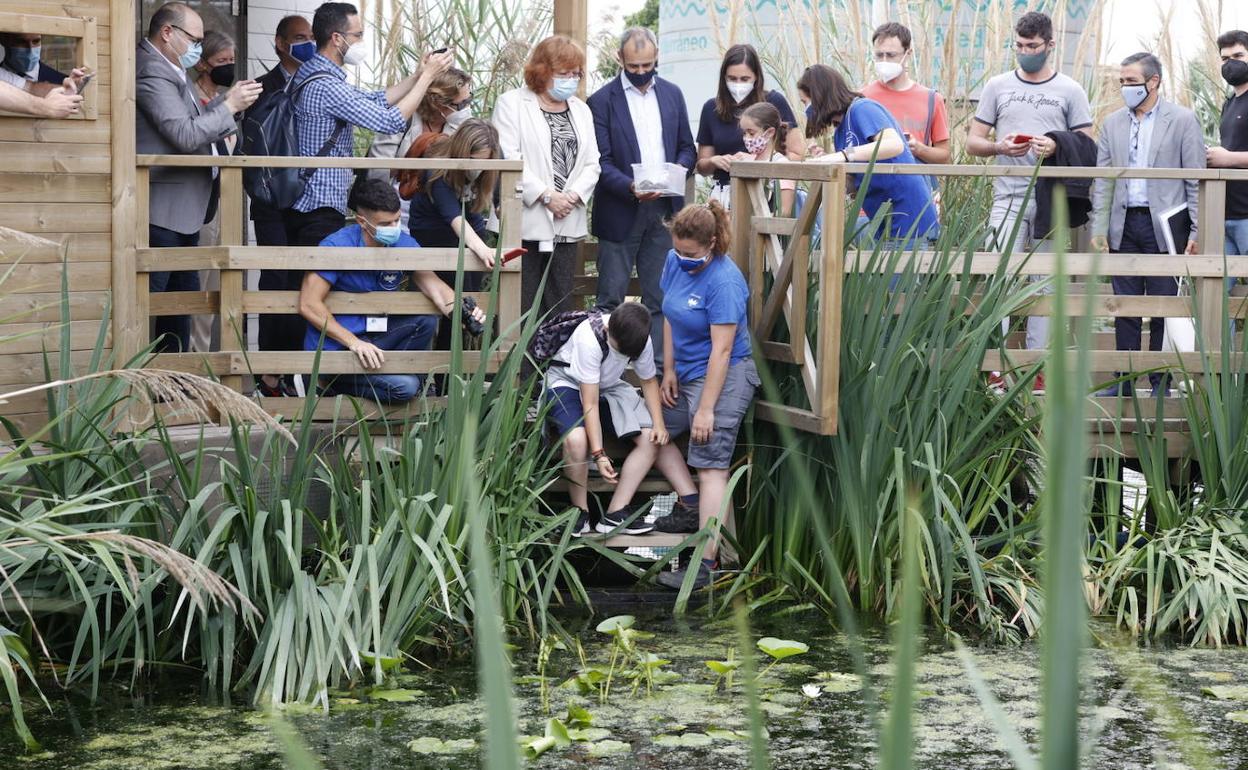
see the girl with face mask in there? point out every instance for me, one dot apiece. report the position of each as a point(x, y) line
point(720, 141)
point(763, 133)
point(448, 205)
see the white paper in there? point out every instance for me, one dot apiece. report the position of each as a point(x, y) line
point(377, 323)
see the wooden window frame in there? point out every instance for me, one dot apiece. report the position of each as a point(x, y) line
point(86, 52)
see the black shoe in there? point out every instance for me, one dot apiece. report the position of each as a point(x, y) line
point(682, 520)
point(611, 522)
point(582, 527)
point(270, 391)
point(674, 580)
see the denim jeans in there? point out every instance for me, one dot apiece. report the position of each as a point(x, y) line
point(1005, 213)
point(1236, 242)
point(413, 332)
point(172, 332)
point(646, 250)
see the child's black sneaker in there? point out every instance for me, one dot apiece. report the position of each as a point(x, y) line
point(582, 528)
point(682, 520)
point(612, 521)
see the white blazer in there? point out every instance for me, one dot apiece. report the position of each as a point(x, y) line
point(524, 134)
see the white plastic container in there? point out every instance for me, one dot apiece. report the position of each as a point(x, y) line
point(667, 179)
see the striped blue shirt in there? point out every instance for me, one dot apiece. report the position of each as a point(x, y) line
point(319, 108)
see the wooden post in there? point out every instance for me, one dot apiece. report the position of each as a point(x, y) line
point(129, 210)
point(230, 305)
point(511, 211)
point(831, 280)
point(742, 220)
point(1210, 292)
point(572, 20)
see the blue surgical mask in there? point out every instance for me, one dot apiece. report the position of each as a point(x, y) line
point(563, 89)
point(23, 61)
point(191, 57)
point(386, 235)
point(303, 51)
point(689, 265)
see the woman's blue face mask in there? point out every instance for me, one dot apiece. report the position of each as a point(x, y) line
point(691, 262)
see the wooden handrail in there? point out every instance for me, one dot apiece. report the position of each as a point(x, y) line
point(289, 161)
point(814, 170)
point(150, 260)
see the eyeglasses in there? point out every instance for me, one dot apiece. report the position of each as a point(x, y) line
point(359, 34)
point(189, 36)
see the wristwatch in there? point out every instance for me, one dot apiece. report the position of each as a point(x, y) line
point(546, 199)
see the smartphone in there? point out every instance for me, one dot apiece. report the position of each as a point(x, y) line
point(513, 253)
point(1022, 138)
point(442, 50)
point(86, 81)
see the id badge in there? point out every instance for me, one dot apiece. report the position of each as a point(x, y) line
point(377, 323)
point(546, 247)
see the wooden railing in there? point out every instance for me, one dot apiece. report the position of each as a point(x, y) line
point(232, 363)
point(759, 250)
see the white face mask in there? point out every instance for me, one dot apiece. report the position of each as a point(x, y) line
point(740, 90)
point(456, 119)
point(888, 71)
point(355, 55)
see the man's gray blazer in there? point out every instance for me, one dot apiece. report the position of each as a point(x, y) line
point(171, 121)
point(1177, 142)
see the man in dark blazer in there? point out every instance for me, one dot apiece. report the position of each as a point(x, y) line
point(638, 118)
point(171, 121)
point(294, 45)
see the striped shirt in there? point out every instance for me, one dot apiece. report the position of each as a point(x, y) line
point(319, 109)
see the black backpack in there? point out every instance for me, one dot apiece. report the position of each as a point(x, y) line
point(270, 128)
point(553, 334)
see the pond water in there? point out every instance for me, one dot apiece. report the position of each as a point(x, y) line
point(431, 719)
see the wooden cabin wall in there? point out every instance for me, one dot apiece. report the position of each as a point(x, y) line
point(55, 184)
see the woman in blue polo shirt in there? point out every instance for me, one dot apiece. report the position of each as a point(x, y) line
point(864, 131)
point(710, 380)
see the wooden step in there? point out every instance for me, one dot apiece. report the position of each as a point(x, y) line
point(649, 540)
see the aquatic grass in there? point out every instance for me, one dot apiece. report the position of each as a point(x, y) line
point(1064, 506)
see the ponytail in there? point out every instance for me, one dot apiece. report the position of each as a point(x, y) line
point(707, 224)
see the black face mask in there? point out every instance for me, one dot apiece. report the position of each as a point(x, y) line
point(1235, 72)
point(222, 75)
point(639, 79)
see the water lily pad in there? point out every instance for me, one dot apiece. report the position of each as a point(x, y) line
point(780, 649)
point(609, 748)
point(430, 745)
point(723, 667)
point(1212, 676)
point(835, 681)
point(387, 662)
point(1238, 716)
point(559, 732)
point(578, 717)
point(727, 735)
point(538, 746)
point(614, 625)
point(588, 734)
point(395, 696)
point(684, 740)
point(1226, 691)
point(652, 661)
point(775, 709)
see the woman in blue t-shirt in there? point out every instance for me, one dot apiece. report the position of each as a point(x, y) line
point(709, 377)
point(864, 131)
point(720, 140)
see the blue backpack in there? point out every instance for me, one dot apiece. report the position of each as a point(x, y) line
point(270, 128)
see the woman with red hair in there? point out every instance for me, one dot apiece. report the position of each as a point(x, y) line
point(551, 129)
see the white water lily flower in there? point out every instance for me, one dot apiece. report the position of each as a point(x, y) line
point(811, 691)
